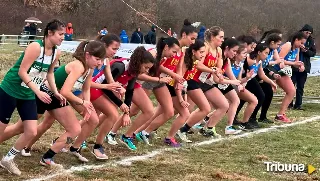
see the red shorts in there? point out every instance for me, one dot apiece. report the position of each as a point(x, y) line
point(95, 94)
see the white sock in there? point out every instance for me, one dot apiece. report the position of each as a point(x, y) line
point(144, 132)
point(11, 154)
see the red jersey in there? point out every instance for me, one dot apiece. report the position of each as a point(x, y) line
point(210, 61)
point(171, 64)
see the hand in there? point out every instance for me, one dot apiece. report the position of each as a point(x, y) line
point(297, 64)
point(282, 65)
point(301, 68)
point(179, 78)
point(126, 121)
point(115, 86)
point(274, 86)
point(183, 49)
point(124, 108)
point(178, 86)
point(219, 75)
point(63, 100)
point(235, 82)
point(88, 108)
point(44, 97)
point(121, 92)
point(165, 80)
point(241, 88)
point(184, 104)
point(249, 74)
point(276, 76)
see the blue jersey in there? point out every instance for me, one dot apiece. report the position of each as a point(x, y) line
point(236, 69)
point(291, 56)
point(269, 59)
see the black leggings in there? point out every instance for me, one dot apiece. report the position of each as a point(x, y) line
point(254, 87)
point(268, 92)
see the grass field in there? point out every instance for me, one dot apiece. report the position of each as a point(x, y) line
point(230, 159)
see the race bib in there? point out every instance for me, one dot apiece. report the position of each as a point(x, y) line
point(287, 70)
point(210, 81)
point(204, 76)
point(36, 77)
point(164, 75)
point(223, 86)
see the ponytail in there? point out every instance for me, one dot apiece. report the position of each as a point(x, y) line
point(94, 48)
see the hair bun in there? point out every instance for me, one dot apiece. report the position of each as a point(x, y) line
point(186, 22)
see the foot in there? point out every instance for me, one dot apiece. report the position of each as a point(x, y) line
point(111, 139)
point(144, 137)
point(79, 156)
point(183, 137)
point(84, 145)
point(236, 121)
point(128, 142)
point(282, 118)
point(299, 108)
point(209, 133)
point(171, 142)
point(265, 120)
point(99, 153)
point(50, 163)
point(26, 152)
point(10, 166)
point(254, 123)
point(63, 150)
point(231, 130)
point(245, 126)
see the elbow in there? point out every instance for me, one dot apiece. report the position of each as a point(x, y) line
point(64, 93)
point(21, 72)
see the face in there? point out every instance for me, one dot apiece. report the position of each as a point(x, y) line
point(232, 52)
point(307, 33)
point(217, 40)
point(93, 61)
point(57, 37)
point(275, 45)
point(250, 47)
point(200, 54)
point(264, 54)
point(298, 43)
point(169, 52)
point(190, 38)
point(242, 55)
point(112, 49)
point(139, 29)
point(145, 67)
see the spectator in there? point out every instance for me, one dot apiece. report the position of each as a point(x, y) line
point(124, 37)
point(69, 32)
point(151, 37)
point(137, 36)
point(169, 32)
point(104, 31)
point(33, 32)
point(201, 33)
point(26, 28)
point(299, 77)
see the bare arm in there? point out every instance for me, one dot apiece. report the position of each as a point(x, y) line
point(30, 55)
point(285, 49)
point(86, 86)
point(107, 72)
point(50, 75)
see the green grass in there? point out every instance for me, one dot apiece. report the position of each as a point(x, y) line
point(240, 159)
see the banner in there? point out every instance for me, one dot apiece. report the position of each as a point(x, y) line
point(126, 49)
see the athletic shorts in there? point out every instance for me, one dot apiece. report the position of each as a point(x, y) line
point(27, 109)
point(96, 93)
point(55, 103)
point(152, 85)
point(225, 90)
point(205, 87)
point(192, 85)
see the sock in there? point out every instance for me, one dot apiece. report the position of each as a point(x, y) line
point(73, 149)
point(210, 127)
point(97, 146)
point(185, 128)
point(279, 115)
point(112, 134)
point(49, 154)
point(144, 133)
point(206, 119)
point(11, 154)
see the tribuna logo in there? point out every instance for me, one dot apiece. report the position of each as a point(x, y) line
point(284, 167)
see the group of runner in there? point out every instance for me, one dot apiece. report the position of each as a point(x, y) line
point(195, 83)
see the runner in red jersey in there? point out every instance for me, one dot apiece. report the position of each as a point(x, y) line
point(173, 66)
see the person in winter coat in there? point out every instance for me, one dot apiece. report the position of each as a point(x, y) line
point(124, 37)
point(137, 36)
point(201, 33)
point(69, 32)
point(299, 77)
point(151, 37)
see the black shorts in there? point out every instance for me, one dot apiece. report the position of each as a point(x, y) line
point(27, 109)
point(192, 85)
point(55, 103)
point(171, 90)
point(224, 91)
point(205, 87)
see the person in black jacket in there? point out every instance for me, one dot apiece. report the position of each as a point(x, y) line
point(137, 36)
point(299, 78)
point(151, 37)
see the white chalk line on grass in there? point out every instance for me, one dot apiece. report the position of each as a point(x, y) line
point(129, 160)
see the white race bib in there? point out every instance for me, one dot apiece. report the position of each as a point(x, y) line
point(36, 77)
point(223, 86)
point(164, 75)
point(204, 76)
point(210, 81)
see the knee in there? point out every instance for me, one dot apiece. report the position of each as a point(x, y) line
point(113, 117)
point(168, 113)
point(236, 102)
point(206, 110)
point(254, 102)
point(31, 132)
point(148, 112)
point(224, 107)
point(94, 121)
point(291, 92)
point(75, 131)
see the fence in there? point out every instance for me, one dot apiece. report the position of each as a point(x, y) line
point(22, 40)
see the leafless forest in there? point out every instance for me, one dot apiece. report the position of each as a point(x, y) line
point(234, 16)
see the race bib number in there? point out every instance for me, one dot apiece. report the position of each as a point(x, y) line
point(223, 86)
point(36, 77)
point(204, 76)
point(287, 70)
point(210, 81)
